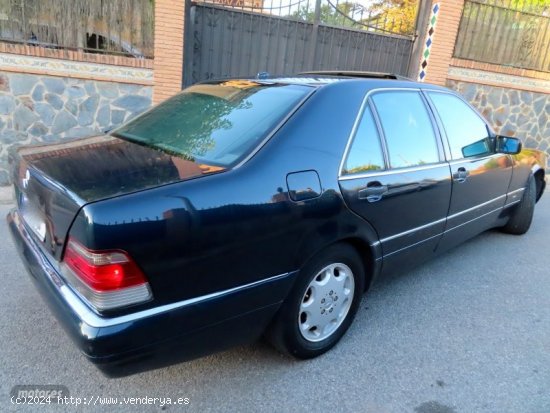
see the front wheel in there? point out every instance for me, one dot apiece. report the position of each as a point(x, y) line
point(322, 304)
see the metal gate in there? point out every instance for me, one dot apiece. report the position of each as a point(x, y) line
point(238, 38)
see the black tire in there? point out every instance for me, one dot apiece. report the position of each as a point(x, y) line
point(522, 216)
point(285, 331)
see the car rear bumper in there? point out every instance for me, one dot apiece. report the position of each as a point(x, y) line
point(157, 336)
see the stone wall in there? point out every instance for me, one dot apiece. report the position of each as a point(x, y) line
point(511, 112)
point(39, 108)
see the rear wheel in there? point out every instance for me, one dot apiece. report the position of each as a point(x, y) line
point(322, 304)
point(521, 218)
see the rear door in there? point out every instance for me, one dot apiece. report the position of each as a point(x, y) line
point(480, 176)
point(394, 175)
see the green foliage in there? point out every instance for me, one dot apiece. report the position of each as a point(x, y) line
point(329, 15)
point(534, 6)
point(397, 16)
point(526, 4)
point(364, 168)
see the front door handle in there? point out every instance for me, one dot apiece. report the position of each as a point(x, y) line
point(461, 174)
point(374, 192)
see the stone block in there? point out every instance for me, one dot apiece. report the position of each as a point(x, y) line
point(22, 84)
point(54, 100)
point(23, 117)
point(4, 83)
point(87, 111)
point(107, 89)
point(38, 93)
point(133, 103)
point(45, 112)
point(76, 92)
point(72, 107)
point(81, 133)
point(38, 129)
point(54, 85)
point(7, 104)
point(117, 117)
point(63, 122)
point(104, 116)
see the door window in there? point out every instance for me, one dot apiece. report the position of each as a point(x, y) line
point(365, 153)
point(467, 133)
point(408, 129)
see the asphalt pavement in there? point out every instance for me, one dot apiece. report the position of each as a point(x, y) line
point(467, 332)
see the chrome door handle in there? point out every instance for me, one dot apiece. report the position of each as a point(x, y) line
point(461, 174)
point(374, 192)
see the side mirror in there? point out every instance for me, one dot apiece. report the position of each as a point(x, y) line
point(477, 148)
point(507, 145)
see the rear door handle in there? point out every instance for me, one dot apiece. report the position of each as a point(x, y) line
point(461, 174)
point(374, 192)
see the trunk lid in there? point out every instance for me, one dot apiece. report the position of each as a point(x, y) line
point(52, 182)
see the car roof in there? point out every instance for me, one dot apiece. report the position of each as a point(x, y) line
point(374, 80)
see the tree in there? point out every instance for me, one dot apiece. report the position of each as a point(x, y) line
point(396, 16)
point(531, 5)
point(341, 15)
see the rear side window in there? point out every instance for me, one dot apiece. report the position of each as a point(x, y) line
point(215, 124)
point(408, 130)
point(365, 153)
point(467, 133)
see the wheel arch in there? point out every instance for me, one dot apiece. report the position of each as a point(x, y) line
point(368, 257)
point(367, 252)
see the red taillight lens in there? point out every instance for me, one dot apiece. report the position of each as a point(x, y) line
point(105, 270)
point(107, 279)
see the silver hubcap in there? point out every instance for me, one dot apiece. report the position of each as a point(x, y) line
point(326, 302)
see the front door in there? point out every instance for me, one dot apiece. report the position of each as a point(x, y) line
point(480, 176)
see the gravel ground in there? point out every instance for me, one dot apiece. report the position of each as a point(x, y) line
point(467, 332)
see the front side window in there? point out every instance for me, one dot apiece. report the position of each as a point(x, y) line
point(365, 153)
point(467, 133)
point(215, 124)
point(407, 127)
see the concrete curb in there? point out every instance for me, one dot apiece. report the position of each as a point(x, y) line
point(6, 195)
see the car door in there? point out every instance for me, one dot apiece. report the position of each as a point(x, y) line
point(480, 175)
point(394, 175)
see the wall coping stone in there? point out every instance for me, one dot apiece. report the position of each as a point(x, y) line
point(80, 70)
point(498, 79)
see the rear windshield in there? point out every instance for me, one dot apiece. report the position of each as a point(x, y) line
point(217, 124)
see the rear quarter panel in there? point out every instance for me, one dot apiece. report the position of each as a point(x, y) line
point(226, 230)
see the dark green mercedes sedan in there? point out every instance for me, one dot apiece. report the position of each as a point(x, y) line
point(249, 207)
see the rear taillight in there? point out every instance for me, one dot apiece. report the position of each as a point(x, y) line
point(106, 279)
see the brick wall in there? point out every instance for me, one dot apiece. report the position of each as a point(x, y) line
point(168, 63)
point(444, 40)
